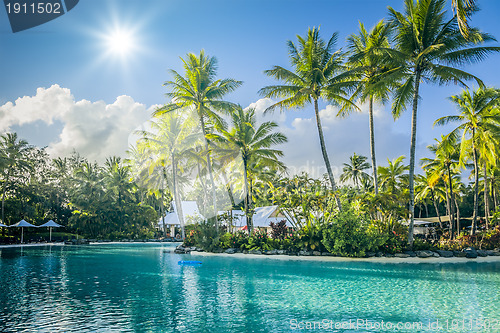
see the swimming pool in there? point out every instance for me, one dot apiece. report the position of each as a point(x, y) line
point(140, 287)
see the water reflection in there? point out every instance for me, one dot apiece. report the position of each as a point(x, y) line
point(142, 288)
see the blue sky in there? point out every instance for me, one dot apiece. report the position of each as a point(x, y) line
point(247, 37)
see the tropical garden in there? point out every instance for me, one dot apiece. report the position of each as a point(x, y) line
point(201, 147)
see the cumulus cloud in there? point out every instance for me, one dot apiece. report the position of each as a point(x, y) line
point(94, 129)
point(343, 137)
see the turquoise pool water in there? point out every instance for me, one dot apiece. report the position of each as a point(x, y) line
point(140, 288)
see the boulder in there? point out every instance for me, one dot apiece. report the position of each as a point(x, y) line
point(230, 251)
point(255, 252)
point(370, 254)
point(493, 253)
point(411, 253)
point(327, 254)
point(401, 255)
point(316, 253)
point(482, 253)
point(425, 254)
point(459, 254)
point(388, 255)
point(379, 254)
point(280, 252)
point(445, 254)
point(304, 253)
point(271, 252)
point(470, 253)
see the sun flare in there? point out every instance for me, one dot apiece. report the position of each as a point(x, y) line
point(120, 42)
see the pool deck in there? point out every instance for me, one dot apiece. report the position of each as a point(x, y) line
point(381, 260)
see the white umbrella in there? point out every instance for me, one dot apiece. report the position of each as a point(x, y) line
point(51, 224)
point(21, 224)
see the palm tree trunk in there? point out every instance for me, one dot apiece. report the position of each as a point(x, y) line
point(448, 210)
point(247, 199)
point(178, 200)
point(325, 154)
point(494, 191)
point(486, 197)
point(4, 191)
point(452, 207)
point(476, 185)
point(372, 146)
point(412, 157)
point(437, 210)
point(458, 217)
point(210, 172)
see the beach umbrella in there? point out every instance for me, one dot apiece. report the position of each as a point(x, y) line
point(22, 224)
point(51, 224)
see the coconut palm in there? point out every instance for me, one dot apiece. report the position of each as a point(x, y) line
point(393, 174)
point(430, 186)
point(251, 142)
point(427, 46)
point(463, 10)
point(355, 170)
point(318, 73)
point(444, 165)
point(199, 89)
point(171, 141)
point(13, 160)
point(479, 127)
point(371, 65)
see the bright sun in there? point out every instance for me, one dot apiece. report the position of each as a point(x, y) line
point(120, 42)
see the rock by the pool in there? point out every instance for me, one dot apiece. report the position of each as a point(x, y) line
point(425, 254)
point(401, 255)
point(230, 251)
point(445, 254)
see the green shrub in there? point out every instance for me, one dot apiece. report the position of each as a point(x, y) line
point(258, 240)
point(347, 236)
point(236, 240)
point(310, 236)
point(205, 236)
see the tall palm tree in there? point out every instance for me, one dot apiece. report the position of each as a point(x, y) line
point(355, 170)
point(427, 46)
point(200, 90)
point(366, 56)
point(479, 127)
point(430, 185)
point(13, 159)
point(253, 143)
point(318, 73)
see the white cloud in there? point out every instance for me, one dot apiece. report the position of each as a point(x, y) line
point(94, 129)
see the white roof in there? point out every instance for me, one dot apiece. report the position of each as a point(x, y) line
point(189, 209)
point(263, 216)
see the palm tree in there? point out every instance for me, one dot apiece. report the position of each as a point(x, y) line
point(371, 65)
point(479, 126)
point(430, 185)
point(354, 170)
point(444, 165)
point(200, 90)
point(318, 73)
point(253, 143)
point(13, 160)
point(172, 140)
point(393, 174)
point(427, 46)
point(463, 10)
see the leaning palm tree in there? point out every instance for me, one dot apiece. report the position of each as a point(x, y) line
point(427, 46)
point(318, 73)
point(479, 127)
point(13, 159)
point(200, 90)
point(251, 142)
point(355, 170)
point(365, 54)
